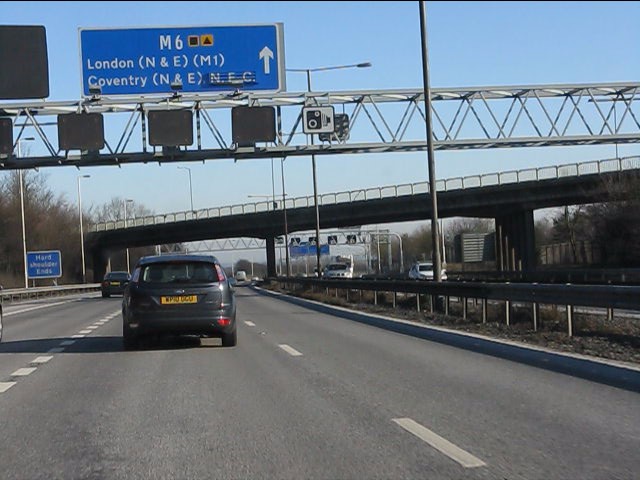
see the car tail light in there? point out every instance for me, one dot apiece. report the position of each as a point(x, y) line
point(224, 322)
point(220, 272)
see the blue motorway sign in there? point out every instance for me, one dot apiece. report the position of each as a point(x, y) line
point(306, 249)
point(46, 264)
point(140, 61)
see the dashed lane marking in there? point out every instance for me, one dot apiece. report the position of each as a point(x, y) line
point(4, 386)
point(290, 350)
point(443, 445)
point(41, 360)
point(23, 372)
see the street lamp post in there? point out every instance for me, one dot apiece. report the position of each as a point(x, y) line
point(286, 227)
point(435, 234)
point(24, 235)
point(190, 187)
point(313, 156)
point(84, 271)
point(128, 200)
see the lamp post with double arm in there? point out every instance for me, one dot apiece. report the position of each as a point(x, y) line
point(308, 71)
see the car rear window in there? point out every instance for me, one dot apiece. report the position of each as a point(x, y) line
point(337, 266)
point(117, 276)
point(179, 272)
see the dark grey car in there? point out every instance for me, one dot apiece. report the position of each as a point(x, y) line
point(178, 294)
point(114, 283)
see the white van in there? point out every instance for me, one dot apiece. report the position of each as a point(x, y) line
point(241, 276)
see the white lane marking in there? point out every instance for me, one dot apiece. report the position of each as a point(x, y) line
point(66, 343)
point(443, 445)
point(55, 350)
point(84, 331)
point(251, 324)
point(93, 327)
point(23, 372)
point(77, 336)
point(291, 351)
point(8, 314)
point(4, 386)
point(41, 360)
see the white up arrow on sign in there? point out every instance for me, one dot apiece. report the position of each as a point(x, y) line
point(266, 54)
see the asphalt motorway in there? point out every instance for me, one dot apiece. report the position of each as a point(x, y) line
point(303, 395)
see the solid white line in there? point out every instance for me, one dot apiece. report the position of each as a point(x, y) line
point(77, 336)
point(66, 343)
point(8, 314)
point(42, 359)
point(4, 386)
point(23, 372)
point(443, 445)
point(291, 351)
point(251, 324)
point(55, 350)
point(85, 331)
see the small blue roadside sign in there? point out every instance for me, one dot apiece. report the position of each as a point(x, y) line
point(46, 264)
point(141, 61)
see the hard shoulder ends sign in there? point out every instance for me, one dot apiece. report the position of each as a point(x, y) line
point(139, 61)
point(45, 264)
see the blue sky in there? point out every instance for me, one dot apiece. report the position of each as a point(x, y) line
point(470, 44)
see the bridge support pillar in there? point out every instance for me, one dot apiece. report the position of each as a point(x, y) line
point(515, 241)
point(100, 260)
point(271, 256)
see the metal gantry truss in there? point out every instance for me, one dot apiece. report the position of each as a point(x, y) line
point(380, 121)
point(238, 244)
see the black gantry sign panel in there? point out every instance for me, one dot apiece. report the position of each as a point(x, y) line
point(24, 66)
point(253, 124)
point(81, 131)
point(6, 136)
point(170, 128)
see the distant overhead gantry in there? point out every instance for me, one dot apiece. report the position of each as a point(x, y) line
point(371, 121)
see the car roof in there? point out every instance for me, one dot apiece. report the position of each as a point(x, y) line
point(177, 258)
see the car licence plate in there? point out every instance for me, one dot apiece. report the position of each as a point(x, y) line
point(115, 284)
point(175, 300)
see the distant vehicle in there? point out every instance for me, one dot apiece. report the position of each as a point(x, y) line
point(424, 271)
point(114, 283)
point(178, 294)
point(341, 267)
point(241, 276)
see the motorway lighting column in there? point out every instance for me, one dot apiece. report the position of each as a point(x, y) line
point(24, 232)
point(84, 271)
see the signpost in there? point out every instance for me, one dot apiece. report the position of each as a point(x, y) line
point(44, 264)
point(142, 61)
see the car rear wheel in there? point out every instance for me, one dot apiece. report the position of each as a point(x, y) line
point(130, 340)
point(105, 295)
point(230, 339)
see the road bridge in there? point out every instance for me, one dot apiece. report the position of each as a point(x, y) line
point(509, 197)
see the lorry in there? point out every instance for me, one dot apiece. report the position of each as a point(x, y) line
point(341, 266)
